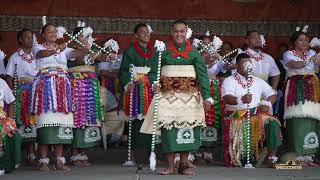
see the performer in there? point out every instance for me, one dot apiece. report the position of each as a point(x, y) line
point(88, 112)
point(264, 64)
point(110, 94)
point(211, 134)
point(142, 55)
point(181, 111)
point(262, 125)
point(302, 99)
point(9, 139)
point(25, 63)
point(51, 96)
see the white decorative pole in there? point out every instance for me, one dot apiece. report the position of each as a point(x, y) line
point(160, 48)
point(129, 162)
point(248, 69)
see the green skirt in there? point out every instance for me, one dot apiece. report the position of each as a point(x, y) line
point(180, 140)
point(140, 140)
point(12, 153)
point(303, 135)
point(28, 133)
point(211, 136)
point(54, 135)
point(86, 138)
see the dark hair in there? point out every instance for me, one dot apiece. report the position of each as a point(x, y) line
point(242, 56)
point(202, 37)
point(20, 34)
point(295, 36)
point(179, 21)
point(228, 43)
point(45, 27)
point(249, 33)
point(283, 45)
point(77, 30)
point(138, 26)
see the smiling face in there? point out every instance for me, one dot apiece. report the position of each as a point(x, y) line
point(50, 33)
point(179, 32)
point(143, 34)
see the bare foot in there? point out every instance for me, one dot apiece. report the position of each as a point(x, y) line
point(86, 163)
point(44, 167)
point(77, 163)
point(186, 171)
point(191, 165)
point(166, 172)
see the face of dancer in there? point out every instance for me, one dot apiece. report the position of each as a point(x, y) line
point(26, 40)
point(253, 40)
point(50, 34)
point(226, 48)
point(206, 40)
point(143, 34)
point(302, 43)
point(240, 66)
point(179, 32)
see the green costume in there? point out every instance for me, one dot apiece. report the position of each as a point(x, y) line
point(138, 56)
point(180, 113)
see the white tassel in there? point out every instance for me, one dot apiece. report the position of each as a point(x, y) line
point(61, 31)
point(113, 45)
point(189, 33)
point(2, 55)
point(195, 43)
point(263, 40)
point(207, 33)
point(315, 42)
point(305, 28)
point(176, 158)
point(2, 172)
point(153, 161)
point(79, 24)
point(297, 28)
point(83, 24)
point(216, 43)
point(191, 157)
point(149, 28)
point(44, 20)
point(34, 39)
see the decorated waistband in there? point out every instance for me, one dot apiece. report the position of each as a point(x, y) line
point(52, 71)
point(82, 75)
point(82, 69)
point(180, 84)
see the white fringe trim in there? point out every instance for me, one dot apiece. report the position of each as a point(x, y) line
point(61, 160)
point(44, 161)
point(307, 110)
point(191, 157)
point(31, 156)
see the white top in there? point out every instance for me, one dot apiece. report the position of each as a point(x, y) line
point(57, 60)
point(309, 69)
point(264, 65)
point(5, 93)
point(2, 68)
point(216, 68)
point(110, 65)
point(259, 89)
point(24, 68)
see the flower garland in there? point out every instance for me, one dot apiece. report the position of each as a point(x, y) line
point(141, 53)
point(56, 48)
point(303, 57)
point(257, 58)
point(25, 57)
point(176, 53)
point(238, 79)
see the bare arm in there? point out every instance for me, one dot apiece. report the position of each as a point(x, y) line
point(275, 81)
point(231, 100)
point(295, 64)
